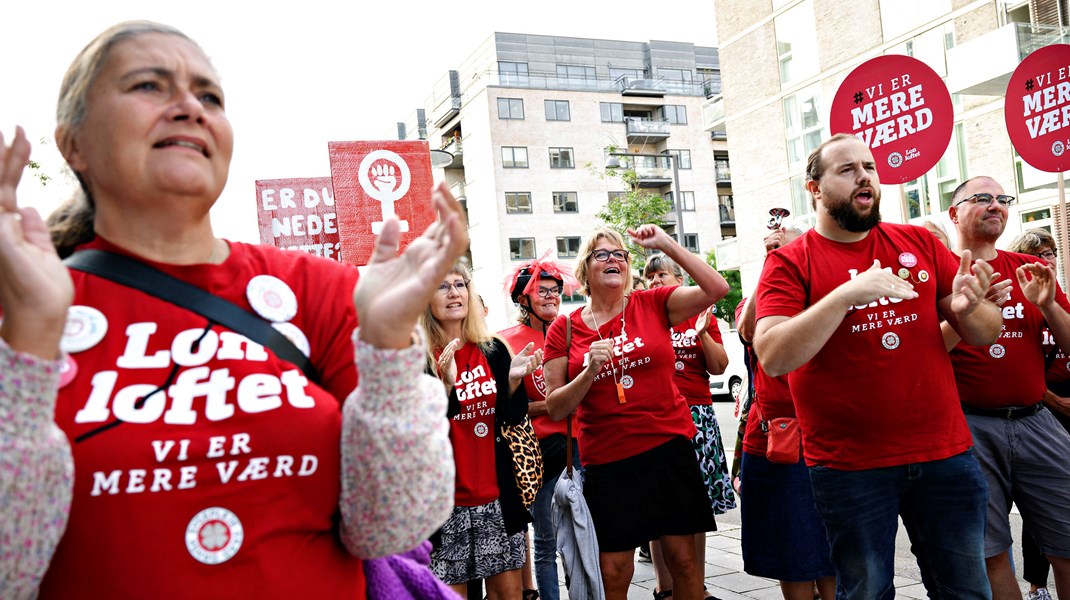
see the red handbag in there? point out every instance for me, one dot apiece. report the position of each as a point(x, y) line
point(784, 444)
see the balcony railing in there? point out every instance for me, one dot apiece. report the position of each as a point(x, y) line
point(551, 81)
point(646, 127)
point(983, 66)
point(728, 211)
point(723, 173)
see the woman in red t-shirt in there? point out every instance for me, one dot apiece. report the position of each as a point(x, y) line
point(538, 299)
point(484, 536)
point(699, 354)
point(642, 481)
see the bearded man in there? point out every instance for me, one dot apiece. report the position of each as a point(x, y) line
point(851, 312)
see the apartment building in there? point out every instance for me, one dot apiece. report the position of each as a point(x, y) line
point(783, 60)
point(530, 122)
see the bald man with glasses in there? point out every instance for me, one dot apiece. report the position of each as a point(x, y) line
point(1021, 447)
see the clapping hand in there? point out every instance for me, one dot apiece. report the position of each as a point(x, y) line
point(524, 364)
point(874, 284)
point(35, 288)
point(971, 284)
point(394, 289)
point(447, 364)
point(703, 323)
point(1038, 283)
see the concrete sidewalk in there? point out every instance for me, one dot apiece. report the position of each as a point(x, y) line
point(724, 574)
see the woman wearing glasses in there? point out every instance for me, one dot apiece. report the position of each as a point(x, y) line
point(642, 480)
point(484, 536)
point(536, 288)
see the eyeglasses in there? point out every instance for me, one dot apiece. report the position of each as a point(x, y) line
point(547, 293)
point(462, 286)
point(1047, 254)
point(986, 199)
point(603, 255)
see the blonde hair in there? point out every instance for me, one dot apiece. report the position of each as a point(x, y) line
point(588, 249)
point(71, 224)
point(1031, 241)
point(473, 326)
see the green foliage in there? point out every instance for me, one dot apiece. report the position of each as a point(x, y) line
point(39, 173)
point(632, 209)
point(726, 307)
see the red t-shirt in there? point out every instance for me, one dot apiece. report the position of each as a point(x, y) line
point(881, 391)
point(1057, 376)
point(226, 480)
point(982, 372)
point(518, 337)
point(692, 378)
point(654, 411)
point(472, 430)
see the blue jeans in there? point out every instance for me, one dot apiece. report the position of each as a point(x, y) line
point(545, 538)
point(942, 504)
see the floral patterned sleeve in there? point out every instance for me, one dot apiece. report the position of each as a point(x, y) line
point(397, 461)
point(36, 471)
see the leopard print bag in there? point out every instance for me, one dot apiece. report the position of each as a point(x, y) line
point(527, 459)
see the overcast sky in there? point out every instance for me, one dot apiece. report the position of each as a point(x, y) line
point(300, 74)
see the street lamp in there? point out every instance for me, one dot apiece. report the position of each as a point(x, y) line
point(678, 202)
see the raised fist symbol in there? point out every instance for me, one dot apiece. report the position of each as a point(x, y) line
point(383, 178)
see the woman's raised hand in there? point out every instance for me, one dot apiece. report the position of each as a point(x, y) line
point(35, 288)
point(394, 289)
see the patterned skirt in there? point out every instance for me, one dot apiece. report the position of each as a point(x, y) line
point(476, 546)
point(711, 459)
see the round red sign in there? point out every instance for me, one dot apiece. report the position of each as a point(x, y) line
point(1037, 108)
point(900, 108)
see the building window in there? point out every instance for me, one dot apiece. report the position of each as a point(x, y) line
point(691, 242)
point(617, 196)
point(612, 112)
point(561, 158)
point(510, 108)
point(682, 158)
point(580, 77)
point(568, 247)
point(802, 122)
point(687, 197)
point(514, 157)
point(674, 113)
point(722, 169)
point(678, 80)
point(939, 183)
point(901, 16)
point(521, 248)
point(796, 43)
point(801, 210)
point(557, 110)
point(513, 73)
point(566, 202)
point(517, 202)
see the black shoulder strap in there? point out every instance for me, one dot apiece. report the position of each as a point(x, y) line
point(139, 276)
point(568, 419)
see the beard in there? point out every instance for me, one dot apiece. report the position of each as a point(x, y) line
point(848, 217)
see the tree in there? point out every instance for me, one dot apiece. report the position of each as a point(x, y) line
point(631, 209)
point(726, 307)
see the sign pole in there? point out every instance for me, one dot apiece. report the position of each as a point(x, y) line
point(1064, 236)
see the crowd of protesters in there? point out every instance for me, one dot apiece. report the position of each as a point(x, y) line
point(150, 448)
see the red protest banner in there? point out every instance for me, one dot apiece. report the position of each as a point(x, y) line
point(1037, 108)
point(900, 108)
point(377, 180)
point(298, 214)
